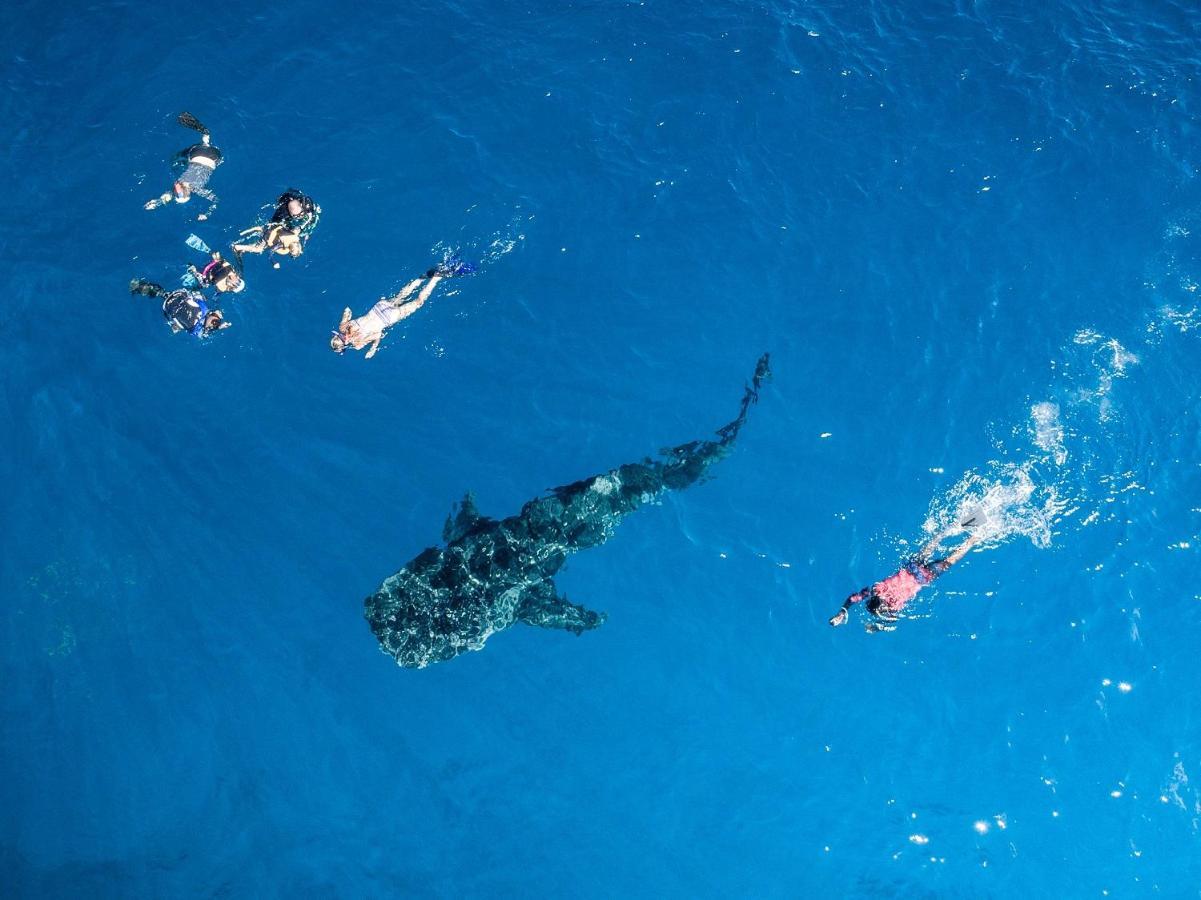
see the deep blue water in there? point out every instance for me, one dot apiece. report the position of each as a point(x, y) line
point(937, 216)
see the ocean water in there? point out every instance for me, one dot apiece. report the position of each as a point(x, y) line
point(967, 232)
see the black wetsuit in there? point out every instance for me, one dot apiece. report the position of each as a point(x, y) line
point(302, 224)
point(186, 310)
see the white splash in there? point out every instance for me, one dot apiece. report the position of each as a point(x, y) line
point(1000, 504)
point(1110, 361)
point(1047, 431)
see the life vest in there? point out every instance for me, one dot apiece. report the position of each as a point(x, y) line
point(216, 270)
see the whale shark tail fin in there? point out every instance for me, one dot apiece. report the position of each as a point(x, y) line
point(542, 607)
point(729, 432)
point(688, 463)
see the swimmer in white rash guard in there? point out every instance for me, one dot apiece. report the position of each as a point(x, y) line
point(368, 329)
point(202, 160)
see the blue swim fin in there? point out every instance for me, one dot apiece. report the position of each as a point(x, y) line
point(451, 268)
point(197, 244)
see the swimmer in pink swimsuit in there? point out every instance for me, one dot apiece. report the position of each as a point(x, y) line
point(886, 599)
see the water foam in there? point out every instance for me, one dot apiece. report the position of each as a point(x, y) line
point(1044, 475)
point(483, 252)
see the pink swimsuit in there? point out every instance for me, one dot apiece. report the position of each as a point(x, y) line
point(895, 591)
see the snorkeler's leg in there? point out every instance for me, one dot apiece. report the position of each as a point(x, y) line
point(928, 550)
point(959, 552)
point(405, 292)
point(413, 305)
point(428, 289)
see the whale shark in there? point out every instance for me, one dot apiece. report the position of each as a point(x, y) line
point(492, 574)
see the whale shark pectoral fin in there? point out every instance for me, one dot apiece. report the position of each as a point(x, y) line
point(542, 607)
point(462, 519)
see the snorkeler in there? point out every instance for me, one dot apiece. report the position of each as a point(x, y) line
point(184, 310)
point(219, 274)
point(294, 219)
point(886, 599)
point(368, 330)
point(201, 160)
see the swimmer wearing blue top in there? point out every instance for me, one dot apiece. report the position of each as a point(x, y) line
point(184, 310)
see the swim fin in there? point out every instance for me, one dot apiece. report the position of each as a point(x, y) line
point(187, 120)
point(451, 268)
point(197, 244)
point(145, 288)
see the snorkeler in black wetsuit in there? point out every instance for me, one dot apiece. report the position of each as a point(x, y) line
point(184, 310)
point(201, 161)
point(294, 219)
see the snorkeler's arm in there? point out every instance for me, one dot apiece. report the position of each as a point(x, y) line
point(374, 346)
point(161, 200)
point(345, 317)
point(840, 617)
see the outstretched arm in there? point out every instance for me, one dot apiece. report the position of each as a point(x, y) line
point(161, 200)
point(840, 617)
point(374, 346)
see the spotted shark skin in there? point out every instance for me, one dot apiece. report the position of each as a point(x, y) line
point(492, 574)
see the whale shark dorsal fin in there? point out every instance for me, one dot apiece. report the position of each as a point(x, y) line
point(464, 516)
point(541, 606)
